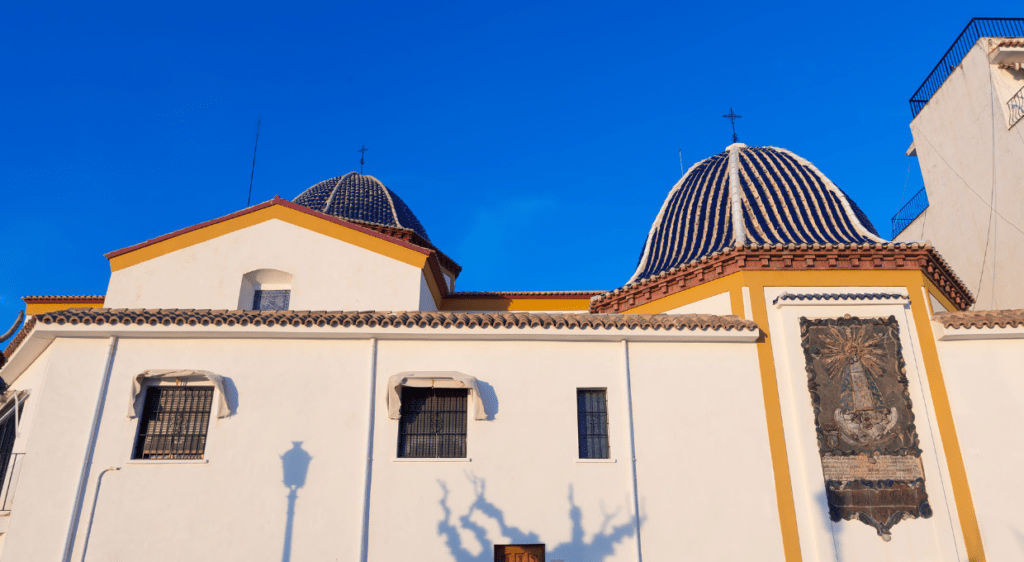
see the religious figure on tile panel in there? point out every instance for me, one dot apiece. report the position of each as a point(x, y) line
point(870, 458)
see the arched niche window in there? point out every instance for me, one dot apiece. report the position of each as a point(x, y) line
point(265, 289)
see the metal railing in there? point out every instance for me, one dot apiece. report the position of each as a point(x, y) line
point(913, 209)
point(1016, 107)
point(11, 463)
point(976, 29)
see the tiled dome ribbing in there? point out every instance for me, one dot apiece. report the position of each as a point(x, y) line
point(363, 198)
point(749, 195)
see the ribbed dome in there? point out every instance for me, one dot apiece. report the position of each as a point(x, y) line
point(749, 195)
point(361, 198)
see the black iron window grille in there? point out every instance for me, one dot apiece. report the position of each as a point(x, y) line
point(271, 300)
point(592, 421)
point(432, 423)
point(976, 29)
point(174, 423)
point(8, 433)
point(1016, 107)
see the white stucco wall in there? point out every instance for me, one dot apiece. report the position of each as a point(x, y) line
point(924, 539)
point(54, 448)
point(522, 481)
point(327, 274)
point(231, 507)
point(703, 461)
point(986, 394)
point(971, 162)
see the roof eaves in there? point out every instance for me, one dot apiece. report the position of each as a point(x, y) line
point(388, 319)
point(981, 319)
point(815, 256)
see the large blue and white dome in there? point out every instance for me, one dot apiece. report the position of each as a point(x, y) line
point(749, 195)
point(361, 198)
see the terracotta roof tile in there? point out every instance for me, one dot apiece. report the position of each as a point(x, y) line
point(836, 296)
point(789, 257)
point(18, 339)
point(583, 321)
point(981, 319)
point(1010, 43)
point(64, 298)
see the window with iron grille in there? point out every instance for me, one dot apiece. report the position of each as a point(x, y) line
point(174, 422)
point(8, 433)
point(592, 422)
point(271, 300)
point(432, 423)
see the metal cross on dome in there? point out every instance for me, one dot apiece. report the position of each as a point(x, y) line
point(362, 153)
point(733, 117)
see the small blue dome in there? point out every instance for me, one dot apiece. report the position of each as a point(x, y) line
point(749, 195)
point(361, 198)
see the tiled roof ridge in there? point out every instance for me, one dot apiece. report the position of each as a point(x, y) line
point(64, 298)
point(19, 338)
point(413, 237)
point(836, 296)
point(525, 294)
point(750, 195)
point(366, 228)
point(385, 319)
point(981, 318)
point(789, 257)
point(1016, 42)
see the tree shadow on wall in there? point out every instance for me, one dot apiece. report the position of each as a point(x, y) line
point(597, 549)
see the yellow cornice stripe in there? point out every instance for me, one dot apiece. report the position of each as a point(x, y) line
point(910, 279)
point(734, 284)
point(279, 212)
point(435, 291)
point(935, 292)
point(515, 304)
point(729, 283)
point(776, 433)
point(31, 309)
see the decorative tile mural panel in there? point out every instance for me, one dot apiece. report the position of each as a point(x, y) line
point(870, 458)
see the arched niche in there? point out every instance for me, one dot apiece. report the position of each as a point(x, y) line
point(265, 289)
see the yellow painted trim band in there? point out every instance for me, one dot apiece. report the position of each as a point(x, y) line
point(776, 432)
point(947, 429)
point(910, 279)
point(31, 309)
point(516, 304)
point(435, 291)
point(730, 284)
point(279, 212)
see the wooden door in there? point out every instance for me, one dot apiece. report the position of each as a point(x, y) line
point(519, 553)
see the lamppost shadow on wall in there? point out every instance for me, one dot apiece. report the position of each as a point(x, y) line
point(295, 464)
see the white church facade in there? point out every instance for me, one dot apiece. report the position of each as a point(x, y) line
point(300, 380)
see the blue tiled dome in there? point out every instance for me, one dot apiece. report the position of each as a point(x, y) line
point(361, 198)
point(749, 195)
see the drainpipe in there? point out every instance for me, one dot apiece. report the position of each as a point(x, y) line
point(92, 513)
point(76, 510)
point(632, 451)
point(364, 537)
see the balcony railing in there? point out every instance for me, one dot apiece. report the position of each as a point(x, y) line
point(913, 209)
point(976, 29)
point(12, 465)
point(1016, 107)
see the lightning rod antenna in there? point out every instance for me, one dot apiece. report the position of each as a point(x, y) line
point(253, 172)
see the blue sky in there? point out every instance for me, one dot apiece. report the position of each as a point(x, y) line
point(535, 142)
